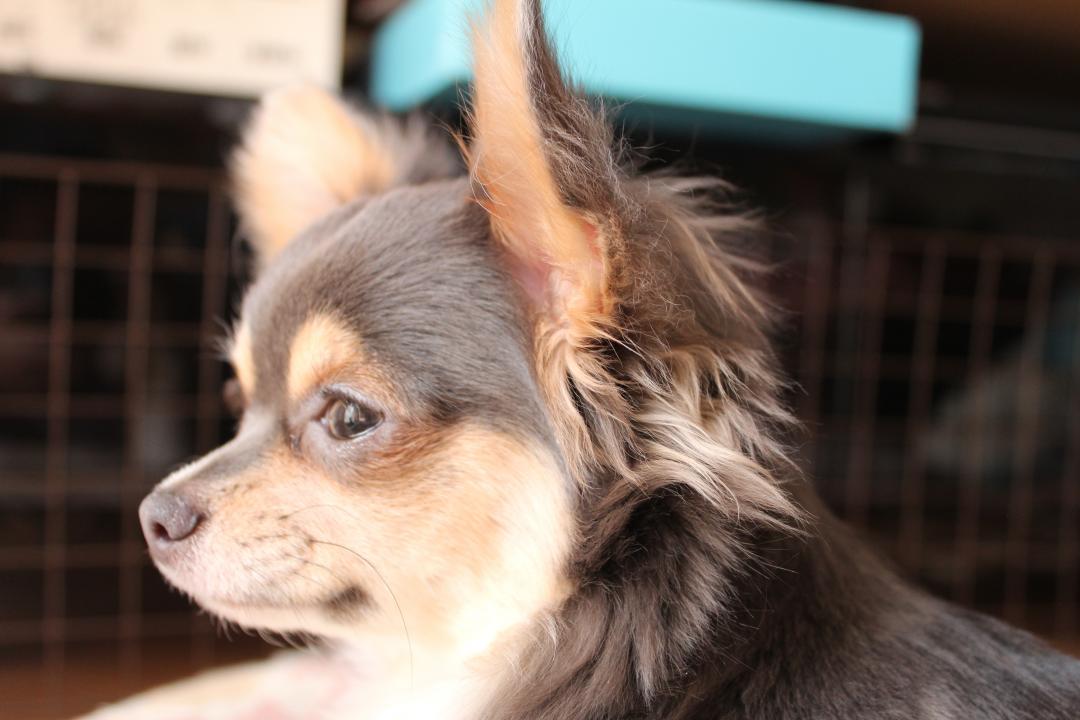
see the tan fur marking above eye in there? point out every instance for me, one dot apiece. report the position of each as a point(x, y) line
point(242, 361)
point(321, 347)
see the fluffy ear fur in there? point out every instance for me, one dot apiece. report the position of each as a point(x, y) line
point(304, 153)
point(652, 353)
point(641, 310)
point(543, 167)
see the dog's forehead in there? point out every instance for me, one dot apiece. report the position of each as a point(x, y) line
point(362, 252)
point(413, 277)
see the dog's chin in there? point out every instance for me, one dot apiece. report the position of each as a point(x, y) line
point(333, 613)
point(284, 619)
point(319, 618)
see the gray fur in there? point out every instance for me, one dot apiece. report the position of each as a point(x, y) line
point(413, 272)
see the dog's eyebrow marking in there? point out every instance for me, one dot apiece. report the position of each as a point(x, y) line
point(321, 347)
point(242, 360)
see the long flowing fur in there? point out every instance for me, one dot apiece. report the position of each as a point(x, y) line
point(666, 405)
point(701, 550)
point(684, 464)
point(646, 378)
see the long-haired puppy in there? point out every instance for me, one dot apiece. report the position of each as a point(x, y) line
point(512, 446)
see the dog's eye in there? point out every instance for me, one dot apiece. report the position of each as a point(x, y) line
point(347, 419)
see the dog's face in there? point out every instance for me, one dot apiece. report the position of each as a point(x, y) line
point(393, 454)
point(453, 388)
point(398, 462)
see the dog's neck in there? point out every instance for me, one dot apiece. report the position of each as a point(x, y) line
point(679, 603)
point(421, 683)
point(681, 606)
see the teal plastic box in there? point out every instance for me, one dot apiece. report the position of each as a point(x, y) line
point(765, 63)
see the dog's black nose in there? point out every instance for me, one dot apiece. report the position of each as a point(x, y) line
point(167, 519)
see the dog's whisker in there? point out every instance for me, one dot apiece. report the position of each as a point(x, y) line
point(401, 614)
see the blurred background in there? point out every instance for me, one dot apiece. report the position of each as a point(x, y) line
point(931, 271)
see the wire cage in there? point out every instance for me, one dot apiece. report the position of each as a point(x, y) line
point(114, 280)
point(940, 358)
point(936, 345)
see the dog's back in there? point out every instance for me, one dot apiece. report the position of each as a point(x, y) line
point(940, 663)
point(851, 640)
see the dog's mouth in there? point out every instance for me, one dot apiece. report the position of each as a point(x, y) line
point(339, 601)
point(339, 606)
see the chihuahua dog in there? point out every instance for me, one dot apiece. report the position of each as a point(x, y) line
point(512, 447)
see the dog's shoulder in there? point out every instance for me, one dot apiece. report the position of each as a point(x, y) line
point(847, 638)
point(932, 661)
point(994, 670)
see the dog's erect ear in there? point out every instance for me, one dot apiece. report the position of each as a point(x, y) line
point(542, 164)
point(304, 153)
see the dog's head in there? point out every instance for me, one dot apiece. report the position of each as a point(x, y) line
point(438, 372)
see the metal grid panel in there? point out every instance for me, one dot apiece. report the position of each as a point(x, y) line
point(115, 277)
point(942, 378)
